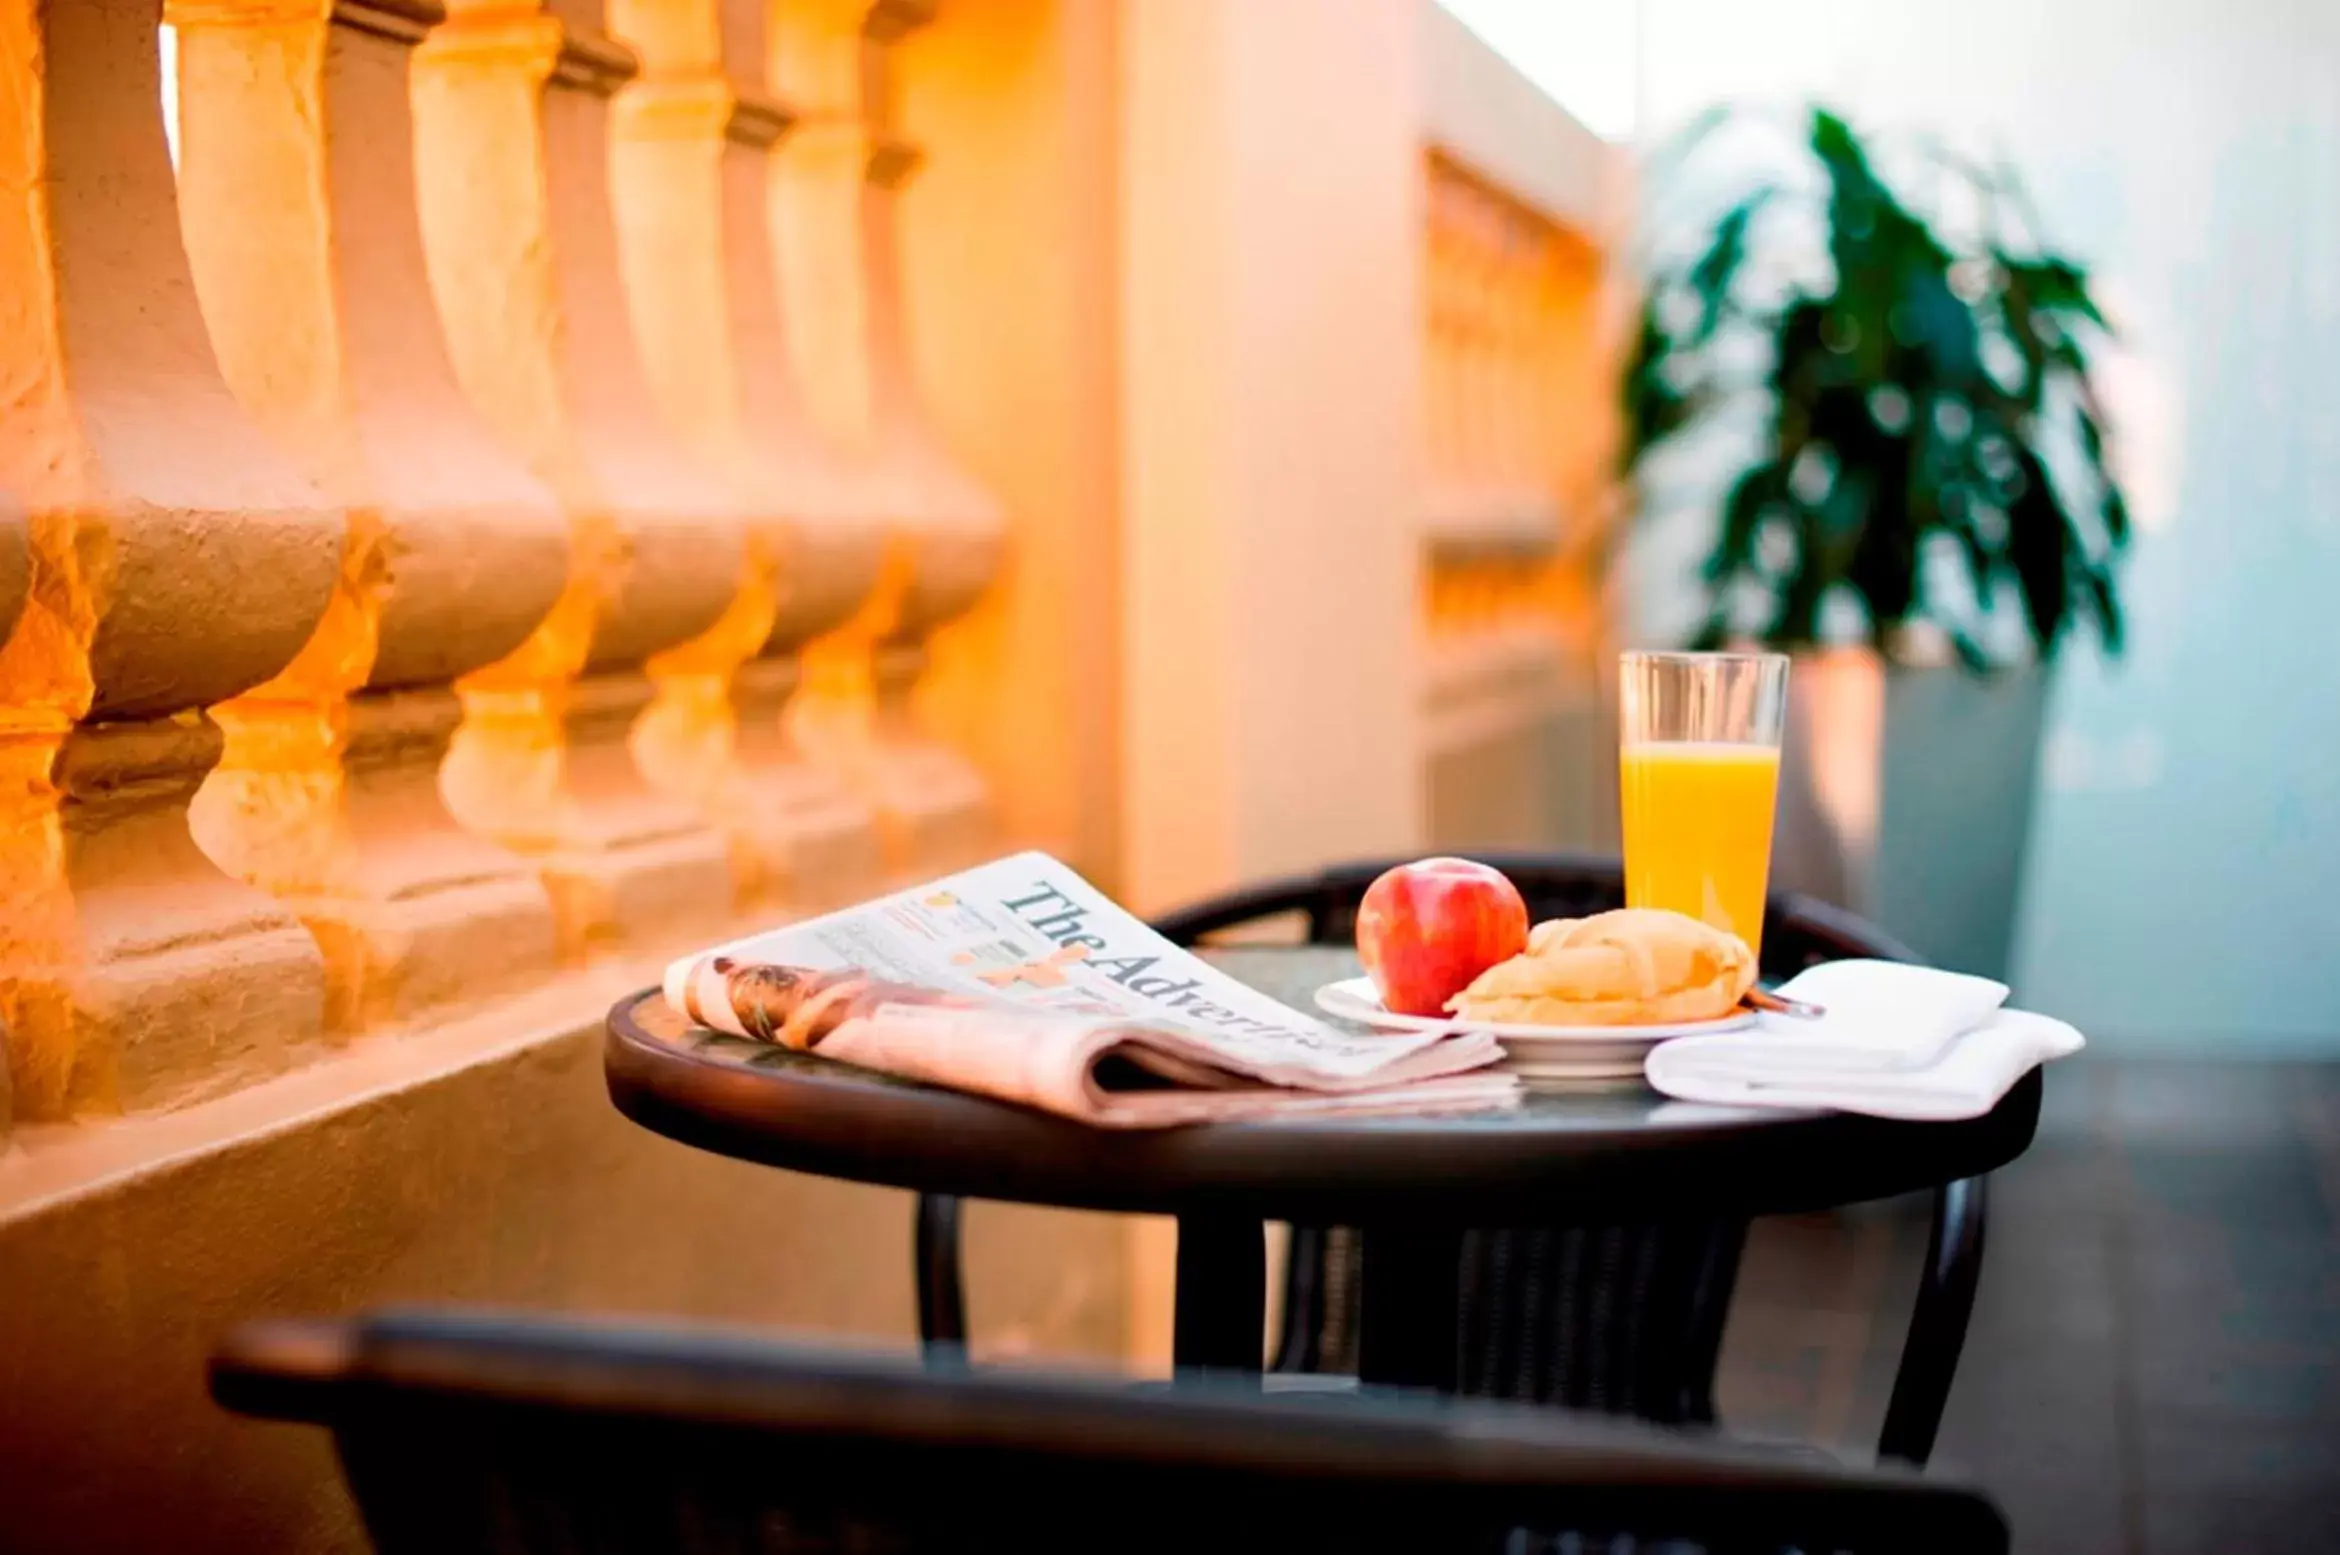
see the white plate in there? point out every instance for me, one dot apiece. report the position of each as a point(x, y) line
point(1355, 998)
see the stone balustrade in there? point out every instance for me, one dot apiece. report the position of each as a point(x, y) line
point(1504, 290)
point(1518, 496)
point(472, 517)
point(512, 131)
point(297, 201)
point(481, 514)
point(178, 559)
point(837, 183)
point(694, 163)
point(540, 486)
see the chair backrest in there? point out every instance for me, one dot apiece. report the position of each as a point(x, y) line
point(1797, 931)
point(478, 1432)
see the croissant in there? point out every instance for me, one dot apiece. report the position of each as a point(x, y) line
point(1638, 966)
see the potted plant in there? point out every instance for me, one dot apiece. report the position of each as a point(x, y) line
point(1914, 495)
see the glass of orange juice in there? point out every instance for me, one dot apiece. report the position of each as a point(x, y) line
point(1699, 760)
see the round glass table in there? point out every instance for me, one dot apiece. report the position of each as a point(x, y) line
point(1412, 1186)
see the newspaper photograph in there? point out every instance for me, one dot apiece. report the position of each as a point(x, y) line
point(1018, 980)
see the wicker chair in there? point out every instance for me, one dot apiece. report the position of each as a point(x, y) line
point(1623, 1318)
point(474, 1432)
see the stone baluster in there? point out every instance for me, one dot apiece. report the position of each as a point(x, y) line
point(836, 181)
point(296, 179)
point(15, 567)
point(15, 584)
point(695, 133)
point(1521, 242)
point(176, 561)
point(512, 137)
point(1445, 430)
point(1482, 343)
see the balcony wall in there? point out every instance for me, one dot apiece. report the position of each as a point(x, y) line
point(499, 495)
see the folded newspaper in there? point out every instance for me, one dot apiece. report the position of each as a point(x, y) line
point(1019, 980)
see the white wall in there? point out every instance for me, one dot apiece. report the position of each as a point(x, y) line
point(2184, 880)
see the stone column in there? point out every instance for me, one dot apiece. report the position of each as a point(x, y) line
point(176, 561)
point(296, 178)
point(15, 566)
point(512, 136)
point(836, 182)
point(695, 134)
point(1270, 438)
point(15, 583)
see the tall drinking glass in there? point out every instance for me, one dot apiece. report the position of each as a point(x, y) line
point(1699, 762)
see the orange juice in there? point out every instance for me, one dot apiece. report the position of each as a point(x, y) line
point(1698, 830)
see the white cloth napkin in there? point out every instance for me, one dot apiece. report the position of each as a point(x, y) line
point(1897, 1042)
point(1881, 1015)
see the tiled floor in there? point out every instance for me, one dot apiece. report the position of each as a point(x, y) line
point(2154, 1365)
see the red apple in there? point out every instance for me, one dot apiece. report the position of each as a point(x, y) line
point(1427, 928)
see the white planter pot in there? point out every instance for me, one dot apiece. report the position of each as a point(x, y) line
point(1906, 795)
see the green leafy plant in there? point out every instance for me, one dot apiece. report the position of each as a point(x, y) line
point(1934, 442)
